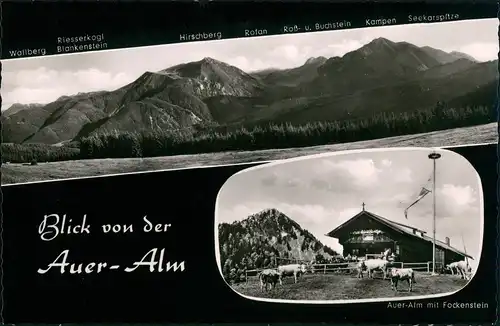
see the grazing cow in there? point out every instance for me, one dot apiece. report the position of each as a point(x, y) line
point(376, 264)
point(402, 274)
point(269, 276)
point(451, 268)
point(461, 267)
point(293, 269)
point(464, 269)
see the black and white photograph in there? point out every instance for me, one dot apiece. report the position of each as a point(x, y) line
point(352, 226)
point(248, 100)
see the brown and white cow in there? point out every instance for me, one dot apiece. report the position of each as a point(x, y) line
point(402, 274)
point(269, 277)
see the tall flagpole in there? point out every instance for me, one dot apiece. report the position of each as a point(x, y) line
point(434, 156)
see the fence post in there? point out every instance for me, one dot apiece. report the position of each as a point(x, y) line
point(428, 267)
point(402, 265)
point(324, 269)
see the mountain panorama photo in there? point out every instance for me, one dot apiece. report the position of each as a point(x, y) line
point(380, 89)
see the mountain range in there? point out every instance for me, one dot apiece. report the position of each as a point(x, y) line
point(255, 242)
point(381, 76)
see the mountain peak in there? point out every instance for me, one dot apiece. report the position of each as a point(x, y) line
point(316, 60)
point(381, 41)
point(461, 55)
point(378, 45)
point(17, 107)
point(268, 212)
point(271, 217)
point(209, 60)
point(205, 66)
point(447, 57)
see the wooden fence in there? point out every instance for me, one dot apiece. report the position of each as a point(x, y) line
point(339, 267)
point(281, 260)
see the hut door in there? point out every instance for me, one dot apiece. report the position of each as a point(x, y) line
point(439, 258)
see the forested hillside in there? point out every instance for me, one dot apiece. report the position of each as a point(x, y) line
point(266, 239)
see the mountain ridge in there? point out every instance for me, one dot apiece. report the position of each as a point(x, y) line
point(379, 76)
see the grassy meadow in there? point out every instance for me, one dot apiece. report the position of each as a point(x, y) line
point(349, 287)
point(25, 172)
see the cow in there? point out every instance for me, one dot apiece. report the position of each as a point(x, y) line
point(293, 269)
point(402, 274)
point(461, 267)
point(269, 276)
point(468, 274)
point(385, 254)
point(360, 267)
point(450, 267)
point(375, 264)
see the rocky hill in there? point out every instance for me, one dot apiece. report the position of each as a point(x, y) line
point(16, 107)
point(382, 76)
point(256, 242)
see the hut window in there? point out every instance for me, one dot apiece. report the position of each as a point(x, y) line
point(397, 249)
point(355, 252)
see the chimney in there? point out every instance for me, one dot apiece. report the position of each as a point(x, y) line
point(447, 240)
